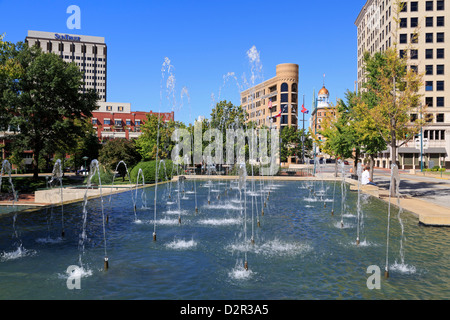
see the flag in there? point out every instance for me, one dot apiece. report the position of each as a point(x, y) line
point(270, 103)
point(279, 114)
point(304, 110)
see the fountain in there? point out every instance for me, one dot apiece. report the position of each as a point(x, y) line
point(57, 174)
point(94, 168)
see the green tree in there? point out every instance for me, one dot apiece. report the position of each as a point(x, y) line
point(117, 150)
point(156, 135)
point(45, 101)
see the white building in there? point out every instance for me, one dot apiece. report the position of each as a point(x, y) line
point(88, 52)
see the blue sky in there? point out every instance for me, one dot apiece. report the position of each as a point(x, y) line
point(205, 41)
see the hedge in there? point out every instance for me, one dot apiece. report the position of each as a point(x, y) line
point(166, 170)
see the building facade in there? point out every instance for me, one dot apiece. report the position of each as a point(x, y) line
point(322, 110)
point(88, 52)
point(274, 103)
point(115, 120)
point(421, 27)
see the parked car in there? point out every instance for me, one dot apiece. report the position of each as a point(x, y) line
point(346, 163)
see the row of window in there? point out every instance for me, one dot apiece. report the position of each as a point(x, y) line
point(117, 122)
point(284, 88)
point(440, 118)
point(429, 85)
point(429, 54)
point(440, 102)
point(429, 22)
point(429, 38)
point(429, 6)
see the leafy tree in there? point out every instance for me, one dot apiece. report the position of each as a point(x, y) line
point(117, 150)
point(45, 100)
point(156, 135)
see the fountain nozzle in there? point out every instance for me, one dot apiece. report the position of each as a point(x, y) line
point(179, 220)
point(154, 236)
point(196, 210)
point(386, 274)
point(246, 266)
point(332, 212)
point(357, 241)
point(106, 263)
point(63, 233)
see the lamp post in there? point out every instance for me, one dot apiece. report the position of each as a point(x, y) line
point(85, 159)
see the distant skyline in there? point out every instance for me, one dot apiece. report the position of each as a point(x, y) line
point(207, 44)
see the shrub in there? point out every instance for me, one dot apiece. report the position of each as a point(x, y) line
point(166, 170)
point(106, 176)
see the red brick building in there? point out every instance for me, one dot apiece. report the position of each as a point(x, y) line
point(115, 120)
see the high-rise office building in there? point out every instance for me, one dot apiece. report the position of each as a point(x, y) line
point(88, 52)
point(422, 28)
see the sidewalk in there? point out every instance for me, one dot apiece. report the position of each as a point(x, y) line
point(427, 197)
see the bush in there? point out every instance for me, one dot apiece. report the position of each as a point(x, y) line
point(149, 169)
point(106, 176)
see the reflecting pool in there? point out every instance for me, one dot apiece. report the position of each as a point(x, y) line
point(299, 249)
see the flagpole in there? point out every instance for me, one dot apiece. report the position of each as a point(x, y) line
point(303, 133)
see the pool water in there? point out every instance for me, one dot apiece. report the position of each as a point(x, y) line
point(300, 250)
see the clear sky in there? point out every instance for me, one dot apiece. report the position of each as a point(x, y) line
point(205, 40)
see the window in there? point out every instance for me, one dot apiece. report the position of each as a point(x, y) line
point(440, 53)
point(440, 22)
point(118, 123)
point(414, 38)
point(429, 53)
point(402, 54)
point(128, 122)
point(61, 47)
point(429, 22)
point(108, 108)
point(284, 87)
point(414, 54)
point(403, 23)
point(413, 117)
point(294, 87)
point(414, 22)
point(440, 69)
point(414, 68)
point(94, 121)
point(429, 37)
point(284, 97)
point(404, 7)
point(439, 85)
point(429, 102)
point(403, 38)
point(272, 89)
point(440, 117)
point(107, 122)
point(429, 118)
point(440, 5)
point(429, 70)
point(429, 6)
point(120, 109)
point(49, 46)
point(414, 6)
point(440, 37)
point(137, 123)
point(428, 85)
point(440, 102)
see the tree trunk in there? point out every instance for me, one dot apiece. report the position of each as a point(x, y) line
point(36, 153)
point(371, 166)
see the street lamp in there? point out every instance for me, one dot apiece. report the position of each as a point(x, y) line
point(85, 159)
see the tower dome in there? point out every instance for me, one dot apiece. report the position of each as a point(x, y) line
point(324, 91)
